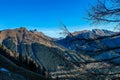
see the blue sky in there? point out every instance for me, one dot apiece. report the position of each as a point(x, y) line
point(45, 15)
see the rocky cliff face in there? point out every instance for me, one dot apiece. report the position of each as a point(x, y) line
point(35, 45)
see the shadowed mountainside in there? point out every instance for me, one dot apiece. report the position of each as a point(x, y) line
point(6, 61)
point(35, 45)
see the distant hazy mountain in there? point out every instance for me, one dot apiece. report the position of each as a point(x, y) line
point(81, 35)
point(99, 44)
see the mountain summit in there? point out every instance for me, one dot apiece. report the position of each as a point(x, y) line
point(81, 37)
point(34, 45)
point(22, 35)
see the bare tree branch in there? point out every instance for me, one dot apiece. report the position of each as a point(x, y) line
point(103, 13)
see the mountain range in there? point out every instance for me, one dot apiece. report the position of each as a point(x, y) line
point(95, 47)
point(103, 44)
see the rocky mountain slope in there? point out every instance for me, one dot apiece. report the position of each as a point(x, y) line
point(34, 45)
point(9, 68)
point(102, 46)
point(98, 44)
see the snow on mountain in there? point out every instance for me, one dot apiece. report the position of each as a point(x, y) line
point(99, 44)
